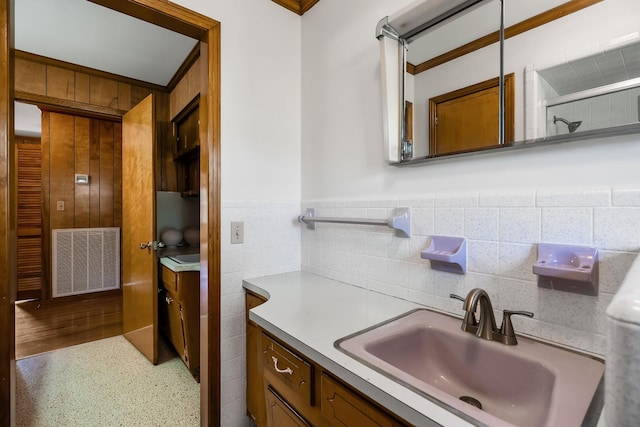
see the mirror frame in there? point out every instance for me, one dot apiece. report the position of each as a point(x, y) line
point(424, 14)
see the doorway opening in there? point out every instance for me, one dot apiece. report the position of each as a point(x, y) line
point(207, 31)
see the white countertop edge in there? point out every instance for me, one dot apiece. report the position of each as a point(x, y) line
point(179, 266)
point(625, 305)
point(404, 402)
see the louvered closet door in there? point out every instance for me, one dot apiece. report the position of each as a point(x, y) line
point(29, 226)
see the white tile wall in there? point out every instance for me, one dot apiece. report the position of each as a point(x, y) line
point(271, 245)
point(613, 109)
point(502, 230)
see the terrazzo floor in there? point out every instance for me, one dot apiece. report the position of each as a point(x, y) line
point(105, 383)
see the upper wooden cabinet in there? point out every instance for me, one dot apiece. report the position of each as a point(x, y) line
point(186, 128)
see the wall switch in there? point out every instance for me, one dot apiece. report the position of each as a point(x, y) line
point(60, 205)
point(237, 232)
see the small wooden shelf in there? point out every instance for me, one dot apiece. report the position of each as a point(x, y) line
point(192, 151)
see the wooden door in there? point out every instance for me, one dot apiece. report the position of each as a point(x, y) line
point(29, 218)
point(139, 264)
point(468, 119)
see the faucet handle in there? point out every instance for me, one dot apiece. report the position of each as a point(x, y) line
point(506, 330)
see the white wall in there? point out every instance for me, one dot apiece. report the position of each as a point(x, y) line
point(342, 154)
point(260, 98)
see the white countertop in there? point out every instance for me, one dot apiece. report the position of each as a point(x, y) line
point(310, 313)
point(179, 266)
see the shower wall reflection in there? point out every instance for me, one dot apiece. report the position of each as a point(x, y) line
point(598, 112)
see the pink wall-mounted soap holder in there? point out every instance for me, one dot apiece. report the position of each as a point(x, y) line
point(447, 254)
point(569, 268)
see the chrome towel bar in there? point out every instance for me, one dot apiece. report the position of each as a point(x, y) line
point(401, 221)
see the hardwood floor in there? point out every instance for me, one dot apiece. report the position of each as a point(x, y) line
point(49, 325)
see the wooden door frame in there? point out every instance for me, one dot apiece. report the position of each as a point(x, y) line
point(184, 21)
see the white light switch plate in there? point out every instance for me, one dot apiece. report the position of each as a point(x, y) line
point(237, 232)
point(60, 205)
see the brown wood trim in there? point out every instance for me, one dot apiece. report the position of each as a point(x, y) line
point(165, 14)
point(46, 214)
point(47, 103)
point(19, 54)
point(210, 210)
point(292, 5)
point(184, 68)
point(411, 69)
point(297, 6)
point(509, 107)
point(7, 223)
point(528, 24)
point(305, 5)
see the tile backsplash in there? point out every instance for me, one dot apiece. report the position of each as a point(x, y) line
point(271, 245)
point(502, 230)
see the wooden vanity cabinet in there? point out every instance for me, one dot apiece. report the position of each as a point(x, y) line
point(180, 314)
point(280, 413)
point(256, 408)
point(285, 388)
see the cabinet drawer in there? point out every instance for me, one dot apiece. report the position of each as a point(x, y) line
point(280, 413)
point(293, 370)
point(170, 280)
point(343, 407)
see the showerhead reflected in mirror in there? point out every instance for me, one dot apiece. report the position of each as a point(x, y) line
point(593, 92)
point(572, 125)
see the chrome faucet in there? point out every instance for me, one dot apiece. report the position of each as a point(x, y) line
point(485, 326)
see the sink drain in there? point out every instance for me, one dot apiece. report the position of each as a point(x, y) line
point(471, 401)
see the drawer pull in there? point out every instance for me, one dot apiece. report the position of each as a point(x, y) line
point(280, 371)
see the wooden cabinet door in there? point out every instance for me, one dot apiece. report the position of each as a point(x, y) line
point(139, 263)
point(280, 413)
point(342, 407)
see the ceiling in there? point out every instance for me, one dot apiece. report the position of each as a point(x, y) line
point(604, 68)
point(83, 33)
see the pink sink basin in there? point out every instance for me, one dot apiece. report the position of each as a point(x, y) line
point(526, 385)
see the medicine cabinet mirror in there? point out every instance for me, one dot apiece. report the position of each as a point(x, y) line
point(466, 76)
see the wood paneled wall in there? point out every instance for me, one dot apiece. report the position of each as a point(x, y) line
point(185, 91)
point(45, 81)
point(79, 145)
point(29, 217)
point(69, 88)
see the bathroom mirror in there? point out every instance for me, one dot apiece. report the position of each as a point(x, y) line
point(443, 62)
